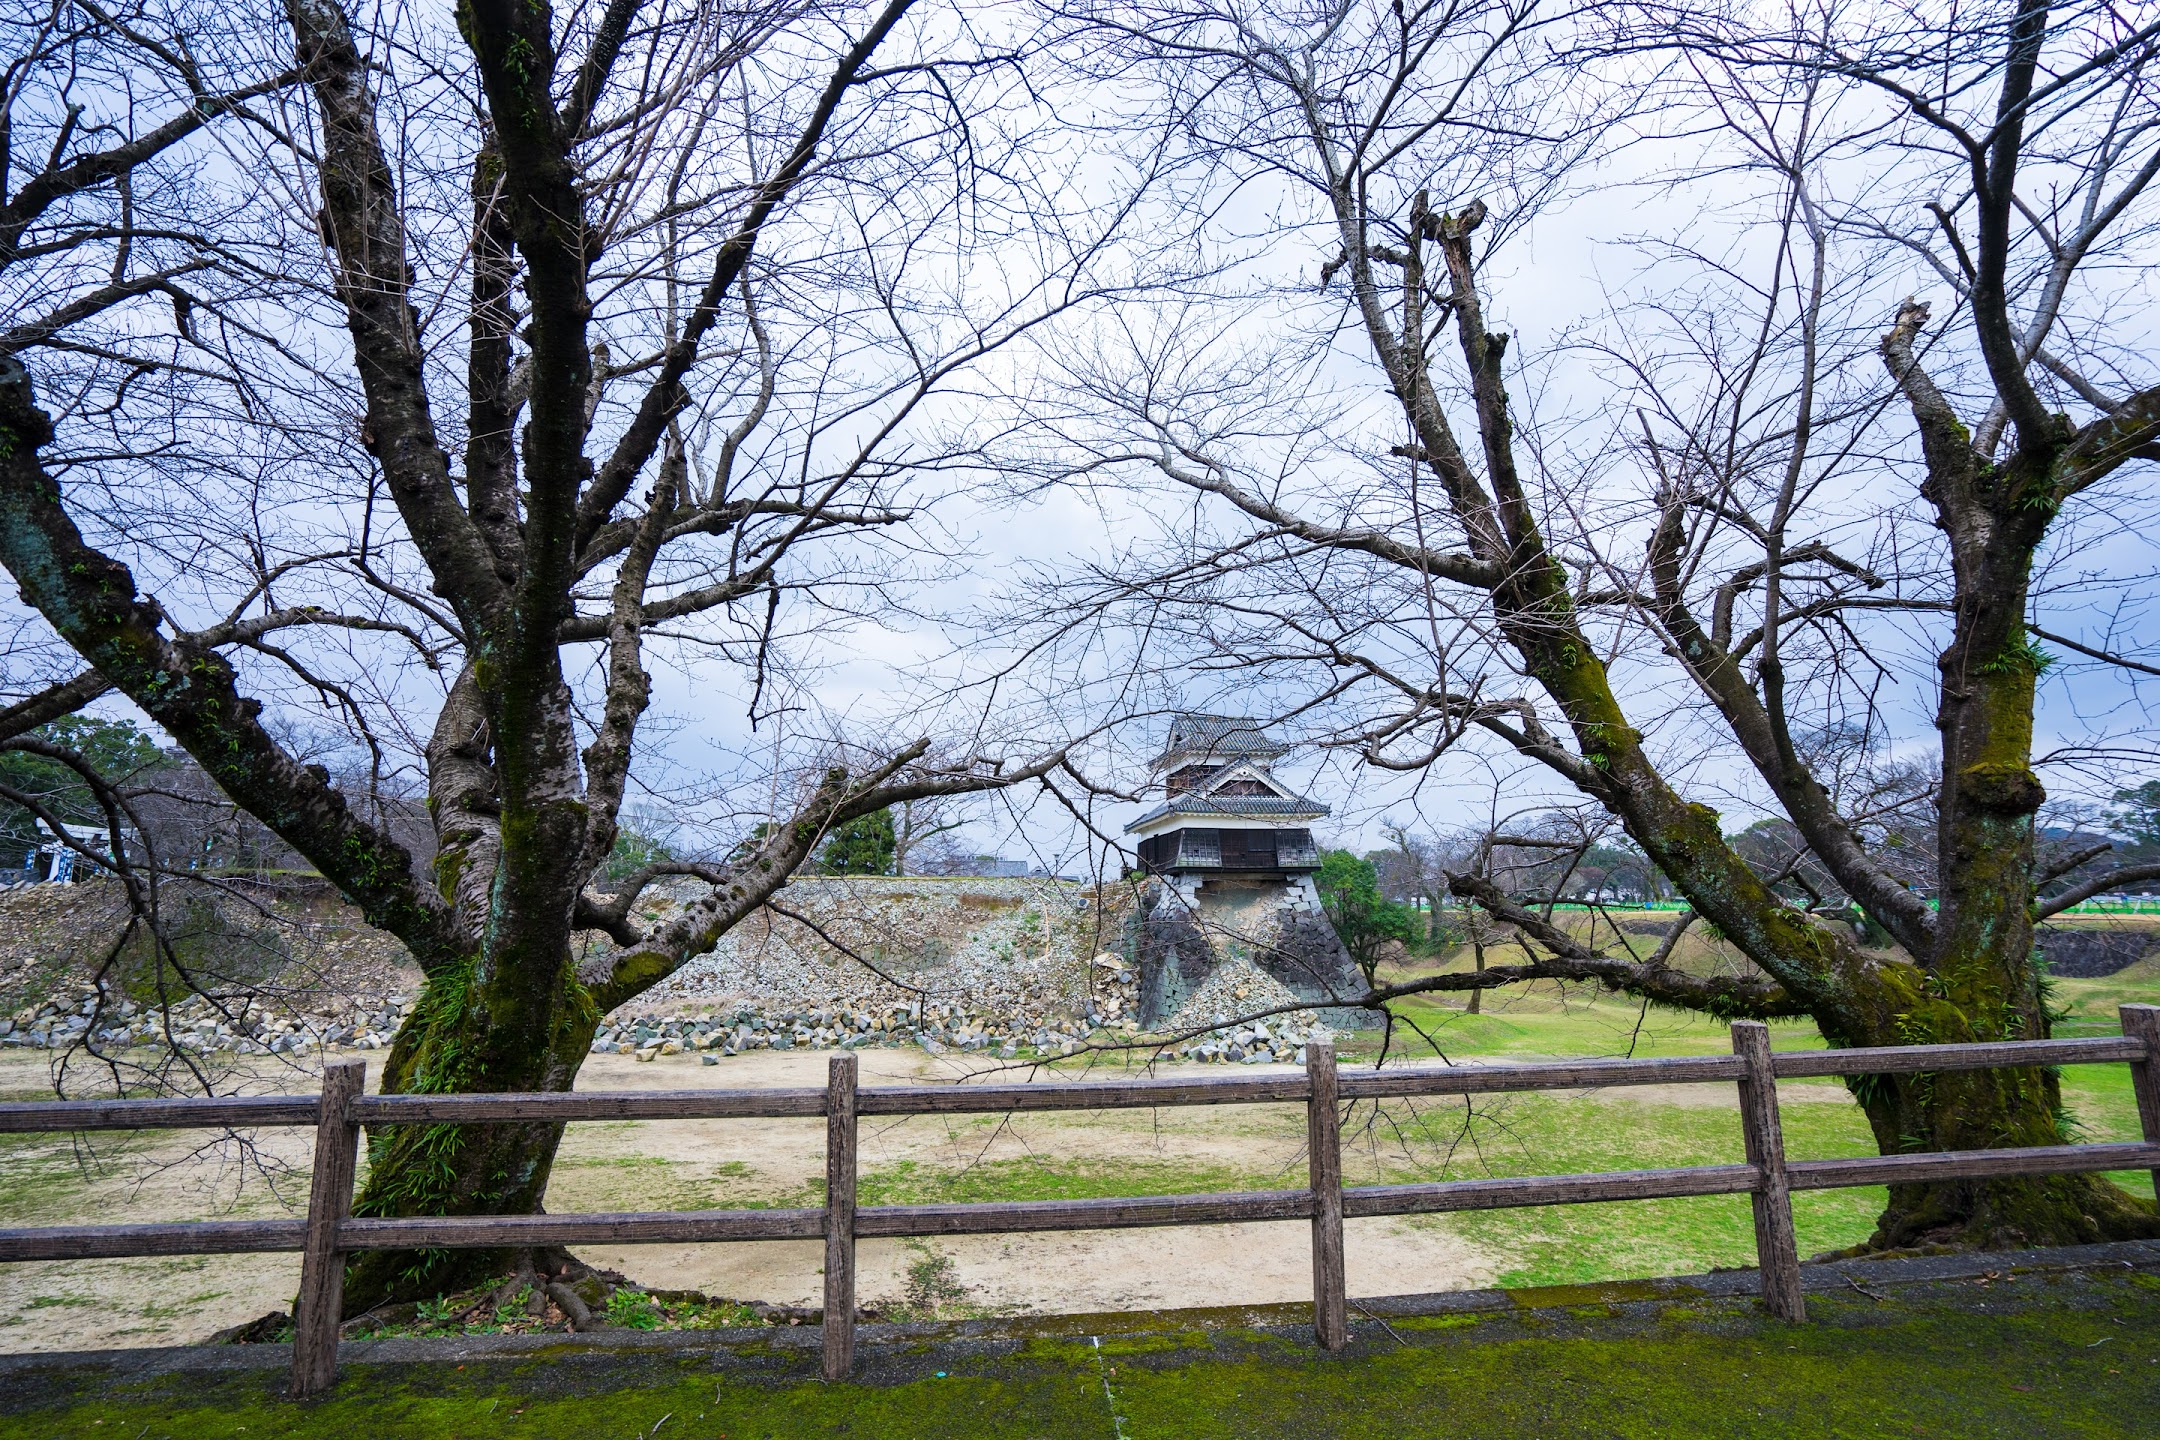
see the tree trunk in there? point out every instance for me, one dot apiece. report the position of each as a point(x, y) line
point(1977, 975)
point(1982, 981)
point(1977, 1110)
point(449, 1044)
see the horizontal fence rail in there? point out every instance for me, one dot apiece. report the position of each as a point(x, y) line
point(1409, 1081)
point(188, 1237)
point(1909, 1059)
point(331, 1232)
point(243, 1113)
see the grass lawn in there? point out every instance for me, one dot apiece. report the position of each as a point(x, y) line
point(1544, 1134)
point(1539, 1134)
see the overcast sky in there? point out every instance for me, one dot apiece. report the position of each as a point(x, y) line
point(1575, 268)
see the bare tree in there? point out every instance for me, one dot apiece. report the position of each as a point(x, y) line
point(1413, 870)
point(515, 360)
point(917, 827)
point(1439, 570)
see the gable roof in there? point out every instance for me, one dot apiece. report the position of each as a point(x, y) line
point(1243, 770)
point(1217, 738)
point(1234, 807)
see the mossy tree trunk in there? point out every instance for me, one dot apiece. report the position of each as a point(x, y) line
point(449, 1044)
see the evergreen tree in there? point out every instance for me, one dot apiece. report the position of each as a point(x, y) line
point(1364, 919)
point(115, 749)
point(865, 845)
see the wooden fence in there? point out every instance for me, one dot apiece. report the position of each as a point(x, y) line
point(330, 1231)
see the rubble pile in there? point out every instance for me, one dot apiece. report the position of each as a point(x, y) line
point(1007, 948)
point(251, 1026)
point(997, 968)
point(936, 1028)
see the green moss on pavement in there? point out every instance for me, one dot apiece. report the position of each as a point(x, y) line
point(2073, 1355)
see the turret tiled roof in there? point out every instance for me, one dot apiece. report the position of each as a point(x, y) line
point(1216, 737)
point(1246, 807)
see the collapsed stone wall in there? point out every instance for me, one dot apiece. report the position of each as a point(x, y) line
point(1015, 966)
point(285, 967)
point(292, 969)
point(869, 941)
point(1267, 940)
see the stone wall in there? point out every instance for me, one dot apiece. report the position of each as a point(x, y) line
point(1019, 966)
point(2092, 954)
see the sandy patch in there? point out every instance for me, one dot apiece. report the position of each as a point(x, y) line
point(136, 1178)
point(1052, 1273)
point(1079, 1273)
point(1716, 1095)
point(116, 1304)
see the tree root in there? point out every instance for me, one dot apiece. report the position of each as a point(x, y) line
point(581, 1317)
point(2014, 1214)
point(553, 1290)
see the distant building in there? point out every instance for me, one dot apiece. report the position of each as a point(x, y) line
point(1223, 811)
point(57, 862)
point(1231, 847)
point(987, 867)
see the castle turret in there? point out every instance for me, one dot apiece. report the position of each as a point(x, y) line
point(1222, 809)
point(1234, 853)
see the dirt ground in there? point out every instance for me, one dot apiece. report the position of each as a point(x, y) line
point(730, 1163)
point(679, 1164)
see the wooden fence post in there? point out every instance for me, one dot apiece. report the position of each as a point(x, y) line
point(1323, 1140)
point(322, 1265)
point(839, 1337)
point(2142, 1022)
point(1777, 1248)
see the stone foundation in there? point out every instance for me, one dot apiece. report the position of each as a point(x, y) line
point(1188, 927)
